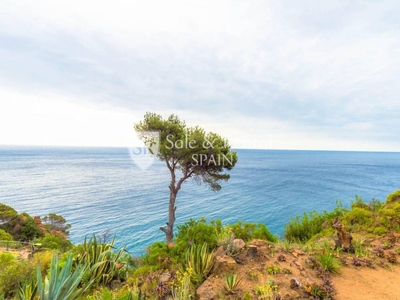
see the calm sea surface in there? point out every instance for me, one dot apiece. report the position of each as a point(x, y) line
point(102, 189)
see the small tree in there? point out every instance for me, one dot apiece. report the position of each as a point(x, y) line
point(54, 222)
point(189, 152)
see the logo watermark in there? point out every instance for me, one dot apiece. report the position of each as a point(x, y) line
point(143, 148)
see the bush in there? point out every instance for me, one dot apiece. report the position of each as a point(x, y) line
point(4, 236)
point(393, 197)
point(380, 230)
point(359, 216)
point(13, 273)
point(249, 231)
point(159, 254)
point(329, 262)
point(54, 242)
point(23, 227)
point(304, 228)
point(195, 232)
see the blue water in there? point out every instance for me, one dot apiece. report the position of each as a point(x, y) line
point(102, 189)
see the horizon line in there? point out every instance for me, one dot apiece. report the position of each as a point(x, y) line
point(233, 148)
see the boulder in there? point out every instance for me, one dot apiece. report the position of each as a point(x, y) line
point(343, 237)
point(224, 264)
point(239, 244)
point(205, 291)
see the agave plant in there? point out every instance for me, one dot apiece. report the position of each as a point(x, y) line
point(62, 283)
point(27, 291)
point(101, 259)
point(231, 282)
point(199, 261)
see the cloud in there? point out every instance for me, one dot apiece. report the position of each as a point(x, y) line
point(298, 70)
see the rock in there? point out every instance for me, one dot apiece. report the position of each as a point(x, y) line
point(297, 253)
point(220, 251)
point(224, 264)
point(343, 237)
point(165, 277)
point(116, 284)
point(294, 283)
point(205, 291)
point(239, 244)
point(298, 265)
point(262, 245)
point(253, 251)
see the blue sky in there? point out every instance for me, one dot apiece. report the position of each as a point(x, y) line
point(265, 74)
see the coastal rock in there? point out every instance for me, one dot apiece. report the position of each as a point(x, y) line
point(239, 244)
point(220, 251)
point(343, 237)
point(224, 264)
point(260, 244)
point(205, 291)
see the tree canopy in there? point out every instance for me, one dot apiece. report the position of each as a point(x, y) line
point(7, 213)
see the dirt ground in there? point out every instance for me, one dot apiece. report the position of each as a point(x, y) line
point(368, 284)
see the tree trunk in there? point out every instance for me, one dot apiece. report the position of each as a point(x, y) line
point(173, 191)
point(174, 188)
point(169, 230)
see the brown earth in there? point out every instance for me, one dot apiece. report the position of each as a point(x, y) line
point(372, 276)
point(368, 284)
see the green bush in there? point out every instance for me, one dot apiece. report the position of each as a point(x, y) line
point(12, 273)
point(380, 230)
point(50, 241)
point(159, 254)
point(359, 216)
point(393, 197)
point(359, 202)
point(302, 229)
point(249, 231)
point(195, 232)
point(329, 262)
point(23, 227)
point(4, 236)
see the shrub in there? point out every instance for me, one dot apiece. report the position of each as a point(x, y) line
point(14, 272)
point(4, 236)
point(159, 254)
point(359, 216)
point(359, 203)
point(273, 270)
point(301, 229)
point(329, 262)
point(23, 227)
point(380, 230)
point(195, 232)
point(249, 231)
point(393, 197)
point(54, 242)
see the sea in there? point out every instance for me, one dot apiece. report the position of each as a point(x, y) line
point(101, 191)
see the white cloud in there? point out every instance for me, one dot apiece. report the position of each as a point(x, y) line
point(301, 71)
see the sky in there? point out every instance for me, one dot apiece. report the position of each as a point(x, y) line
point(321, 75)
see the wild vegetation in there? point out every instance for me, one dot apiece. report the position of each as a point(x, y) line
point(229, 261)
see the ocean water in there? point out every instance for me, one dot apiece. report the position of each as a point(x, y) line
point(101, 189)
